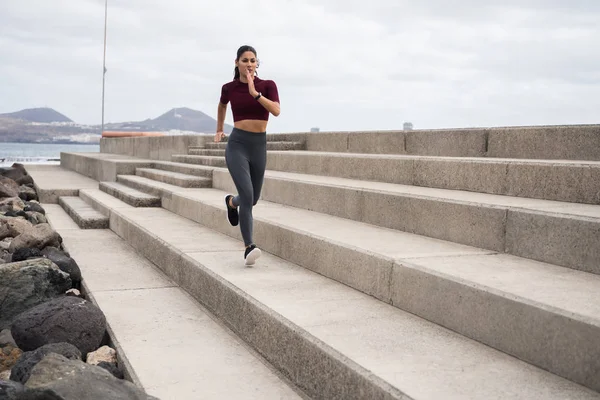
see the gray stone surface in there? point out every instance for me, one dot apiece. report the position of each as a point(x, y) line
point(13, 227)
point(59, 219)
point(65, 263)
point(129, 195)
point(207, 152)
point(570, 241)
point(577, 142)
point(538, 312)
point(157, 148)
point(380, 142)
point(572, 182)
point(76, 380)
point(183, 168)
point(330, 141)
point(26, 254)
point(469, 218)
point(6, 338)
point(9, 389)
point(574, 142)
point(316, 243)
point(271, 145)
point(27, 193)
point(25, 180)
point(26, 284)
point(15, 172)
point(355, 166)
point(38, 236)
point(22, 369)
point(449, 143)
point(83, 213)
point(11, 203)
point(8, 187)
point(490, 298)
point(205, 359)
point(200, 160)
point(101, 201)
point(100, 166)
point(358, 337)
point(475, 175)
point(53, 181)
point(36, 218)
point(552, 180)
point(63, 319)
point(146, 185)
point(174, 178)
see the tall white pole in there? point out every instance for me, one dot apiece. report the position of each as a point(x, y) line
point(104, 64)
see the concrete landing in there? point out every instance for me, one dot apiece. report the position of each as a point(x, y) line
point(53, 181)
point(174, 349)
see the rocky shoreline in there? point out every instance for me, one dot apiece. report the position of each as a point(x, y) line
point(53, 341)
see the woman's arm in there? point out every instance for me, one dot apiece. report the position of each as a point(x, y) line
point(272, 106)
point(221, 112)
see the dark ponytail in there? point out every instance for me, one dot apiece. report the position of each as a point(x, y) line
point(242, 50)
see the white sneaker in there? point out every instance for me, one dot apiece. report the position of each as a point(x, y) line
point(252, 254)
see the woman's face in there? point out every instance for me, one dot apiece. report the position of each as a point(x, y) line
point(247, 62)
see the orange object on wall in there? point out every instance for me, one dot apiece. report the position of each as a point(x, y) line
point(118, 134)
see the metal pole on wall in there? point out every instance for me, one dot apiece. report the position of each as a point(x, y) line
point(104, 65)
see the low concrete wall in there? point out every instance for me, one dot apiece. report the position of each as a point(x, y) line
point(154, 148)
point(102, 169)
point(571, 142)
point(377, 142)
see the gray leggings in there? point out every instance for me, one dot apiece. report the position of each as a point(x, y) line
point(246, 157)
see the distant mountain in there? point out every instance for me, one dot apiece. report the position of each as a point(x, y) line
point(42, 115)
point(35, 125)
point(183, 119)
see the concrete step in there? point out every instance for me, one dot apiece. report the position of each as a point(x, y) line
point(174, 178)
point(572, 181)
point(207, 152)
point(200, 160)
point(275, 146)
point(182, 168)
point(358, 347)
point(101, 201)
point(560, 233)
point(386, 264)
point(150, 186)
point(148, 311)
point(84, 215)
point(129, 195)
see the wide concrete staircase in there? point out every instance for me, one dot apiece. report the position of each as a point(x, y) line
point(467, 273)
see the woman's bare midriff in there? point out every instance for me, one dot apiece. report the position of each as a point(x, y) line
point(252, 125)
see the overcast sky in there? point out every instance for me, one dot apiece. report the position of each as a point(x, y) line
point(338, 64)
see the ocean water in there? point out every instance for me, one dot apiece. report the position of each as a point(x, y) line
point(35, 153)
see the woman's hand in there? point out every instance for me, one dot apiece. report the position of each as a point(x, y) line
point(219, 136)
point(251, 87)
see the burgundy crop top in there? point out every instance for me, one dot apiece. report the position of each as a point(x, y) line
point(243, 105)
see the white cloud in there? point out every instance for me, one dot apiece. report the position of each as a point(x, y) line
point(338, 64)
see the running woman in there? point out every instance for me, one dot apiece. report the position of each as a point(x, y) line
point(252, 101)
